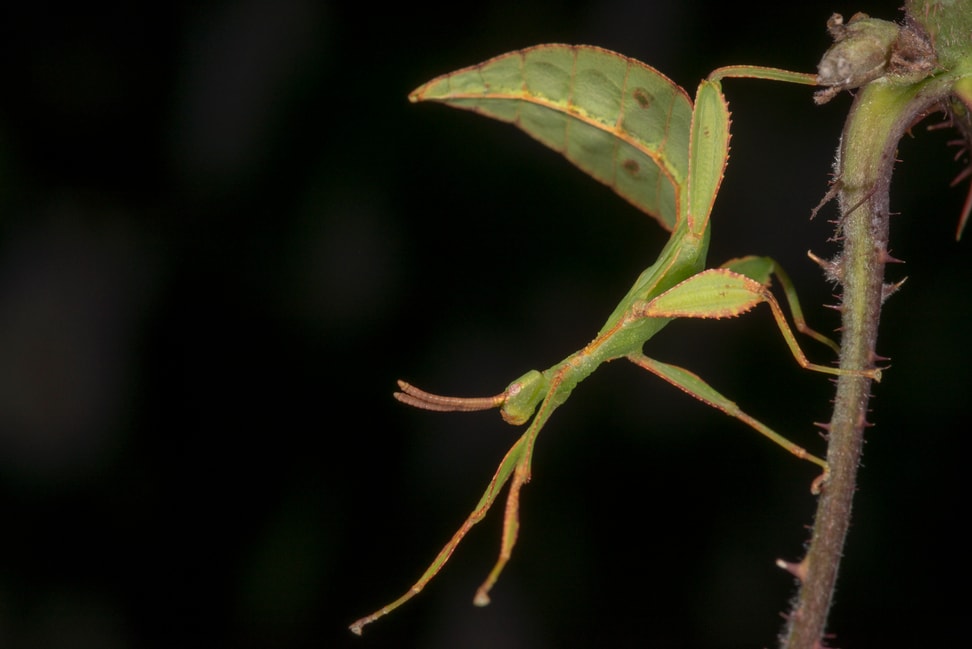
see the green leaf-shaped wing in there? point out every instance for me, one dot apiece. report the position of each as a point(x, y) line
point(617, 119)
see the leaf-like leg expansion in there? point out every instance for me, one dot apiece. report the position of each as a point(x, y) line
point(692, 384)
point(512, 460)
point(722, 293)
point(760, 269)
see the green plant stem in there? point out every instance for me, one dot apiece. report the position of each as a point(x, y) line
point(879, 117)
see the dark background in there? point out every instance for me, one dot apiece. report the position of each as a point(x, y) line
point(224, 233)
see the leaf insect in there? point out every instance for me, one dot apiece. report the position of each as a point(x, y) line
point(630, 127)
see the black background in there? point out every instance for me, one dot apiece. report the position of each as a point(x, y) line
point(224, 233)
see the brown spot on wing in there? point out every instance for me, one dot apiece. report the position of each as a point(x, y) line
point(643, 97)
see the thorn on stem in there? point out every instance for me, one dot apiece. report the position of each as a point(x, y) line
point(887, 290)
point(833, 269)
point(798, 570)
point(832, 192)
point(888, 259)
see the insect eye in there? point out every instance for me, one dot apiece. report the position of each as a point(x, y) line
point(522, 397)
